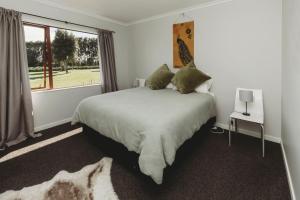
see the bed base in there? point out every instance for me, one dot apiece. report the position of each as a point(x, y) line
point(129, 159)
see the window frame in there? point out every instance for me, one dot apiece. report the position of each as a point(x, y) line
point(47, 57)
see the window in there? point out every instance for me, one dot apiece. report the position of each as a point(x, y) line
point(60, 58)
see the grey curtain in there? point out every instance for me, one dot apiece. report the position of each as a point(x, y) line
point(108, 64)
point(16, 118)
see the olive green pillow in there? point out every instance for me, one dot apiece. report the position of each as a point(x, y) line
point(191, 64)
point(188, 78)
point(160, 78)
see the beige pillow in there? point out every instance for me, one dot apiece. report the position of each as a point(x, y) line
point(160, 78)
point(188, 78)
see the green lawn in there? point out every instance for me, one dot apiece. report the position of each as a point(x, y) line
point(75, 77)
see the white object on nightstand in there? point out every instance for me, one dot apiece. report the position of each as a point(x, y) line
point(255, 109)
point(139, 82)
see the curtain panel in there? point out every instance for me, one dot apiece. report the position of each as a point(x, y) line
point(108, 63)
point(16, 113)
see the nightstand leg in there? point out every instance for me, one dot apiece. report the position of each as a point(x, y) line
point(263, 139)
point(229, 132)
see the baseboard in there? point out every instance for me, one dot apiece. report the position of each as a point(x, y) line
point(50, 125)
point(291, 186)
point(224, 126)
point(251, 133)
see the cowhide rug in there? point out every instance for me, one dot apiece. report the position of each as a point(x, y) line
point(90, 183)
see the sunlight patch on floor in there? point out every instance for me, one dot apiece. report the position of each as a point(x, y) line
point(39, 145)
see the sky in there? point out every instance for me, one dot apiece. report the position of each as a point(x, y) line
point(37, 34)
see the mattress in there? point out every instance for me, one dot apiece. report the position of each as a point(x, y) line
point(152, 123)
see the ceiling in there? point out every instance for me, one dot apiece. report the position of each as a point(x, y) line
point(125, 11)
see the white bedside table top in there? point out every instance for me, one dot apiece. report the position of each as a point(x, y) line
point(255, 118)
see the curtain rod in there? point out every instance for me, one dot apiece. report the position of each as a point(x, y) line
point(66, 22)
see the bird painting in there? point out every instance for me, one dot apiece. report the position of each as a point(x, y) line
point(183, 44)
point(183, 51)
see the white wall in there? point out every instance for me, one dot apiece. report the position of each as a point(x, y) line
point(52, 107)
point(55, 107)
point(238, 43)
point(290, 89)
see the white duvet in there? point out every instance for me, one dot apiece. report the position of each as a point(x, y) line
point(153, 123)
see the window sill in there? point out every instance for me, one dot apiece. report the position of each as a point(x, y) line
point(61, 89)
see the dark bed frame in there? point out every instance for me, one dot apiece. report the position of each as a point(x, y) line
point(129, 159)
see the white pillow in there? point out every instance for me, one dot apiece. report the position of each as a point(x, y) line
point(205, 87)
point(171, 86)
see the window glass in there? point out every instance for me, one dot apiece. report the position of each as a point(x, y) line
point(34, 37)
point(73, 56)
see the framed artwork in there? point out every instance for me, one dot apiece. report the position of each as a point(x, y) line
point(183, 43)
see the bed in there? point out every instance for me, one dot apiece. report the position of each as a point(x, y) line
point(152, 123)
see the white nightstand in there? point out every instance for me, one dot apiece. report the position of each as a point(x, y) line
point(254, 118)
point(256, 114)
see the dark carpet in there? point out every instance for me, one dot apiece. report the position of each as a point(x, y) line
point(205, 168)
point(46, 134)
